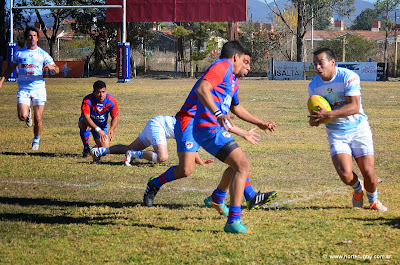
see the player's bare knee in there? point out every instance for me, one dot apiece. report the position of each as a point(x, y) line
point(162, 158)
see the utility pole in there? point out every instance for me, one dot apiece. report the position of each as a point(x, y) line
point(344, 49)
point(395, 44)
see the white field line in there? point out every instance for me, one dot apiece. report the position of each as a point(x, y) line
point(273, 205)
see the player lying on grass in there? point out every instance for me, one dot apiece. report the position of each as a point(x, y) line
point(349, 133)
point(94, 117)
point(156, 132)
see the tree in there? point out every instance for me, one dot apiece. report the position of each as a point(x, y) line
point(386, 6)
point(58, 16)
point(199, 36)
point(21, 19)
point(141, 33)
point(92, 22)
point(308, 10)
point(364, 19)
point(357, 49)
point(322, 23)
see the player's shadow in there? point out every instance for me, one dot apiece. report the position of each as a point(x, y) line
point(61, 218)
point(394, 222)
point(290, 208)
point(61, 203)
point(42, 154)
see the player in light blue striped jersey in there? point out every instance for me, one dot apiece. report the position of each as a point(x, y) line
point(349, 133)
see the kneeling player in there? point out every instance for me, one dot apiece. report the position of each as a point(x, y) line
point(94, 118)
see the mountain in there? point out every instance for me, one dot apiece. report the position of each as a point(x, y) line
point(260, 12)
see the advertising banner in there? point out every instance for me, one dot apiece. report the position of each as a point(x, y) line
point(288, 71)
point(305, 71)
point(12, 49)
point(123, 62)
point(68, 69)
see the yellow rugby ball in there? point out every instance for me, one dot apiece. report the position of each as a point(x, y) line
point(315, 101)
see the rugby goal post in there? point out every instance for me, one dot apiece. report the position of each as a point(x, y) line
point(123, 53)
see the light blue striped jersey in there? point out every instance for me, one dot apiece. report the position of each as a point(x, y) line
point(30, 67)
point(344, 83)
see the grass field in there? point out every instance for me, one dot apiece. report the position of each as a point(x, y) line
point(58, 208)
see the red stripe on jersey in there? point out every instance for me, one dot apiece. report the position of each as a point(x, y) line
point(205, 114)
point(206, 124)
point(189, 105)
point(217, 99)
point(215, 75)
point(220, 90)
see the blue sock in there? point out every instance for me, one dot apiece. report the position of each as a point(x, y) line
point(218, 196)
point(85, 135)
point(357, 187)
point(137, 154)
point(103, 151)
point(235, 213)
point(165, 177)
point(249, 192)
point(372, 196)
point(36, 140)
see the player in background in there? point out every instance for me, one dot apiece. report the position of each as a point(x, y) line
point(156, 132)
point(253, 199)
point(349, 133)
point(31, 61)
point(94, 118)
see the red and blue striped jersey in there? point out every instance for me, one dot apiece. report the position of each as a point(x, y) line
point(99, 111)
point(217, 75)
point(224, 92)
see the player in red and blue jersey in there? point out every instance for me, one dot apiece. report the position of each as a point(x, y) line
point(212, 128)
point(187, 146)
point(253, 199)
point(94, 117)
point(184, 131)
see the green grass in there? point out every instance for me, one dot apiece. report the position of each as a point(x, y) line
point(58, 208)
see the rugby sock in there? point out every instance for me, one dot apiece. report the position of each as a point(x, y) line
point(218, 196)
point(358, 186)
point(102, 151)
point(372, 196)
point(165, 177)
point(36, 140)
point(85, 135)
point(136, 154)
point(249, 192)
point(234, 214)
point(154, 157)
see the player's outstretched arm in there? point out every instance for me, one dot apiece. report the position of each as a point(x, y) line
point(249, 135)
point(52, 67)
point(244, 114)
point(202, 162)
point(7, 73)
point(114, 122)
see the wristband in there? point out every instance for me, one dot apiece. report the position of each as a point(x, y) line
point(97, 129)
point(217, 113)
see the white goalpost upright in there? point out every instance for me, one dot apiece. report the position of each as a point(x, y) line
point(123, 53)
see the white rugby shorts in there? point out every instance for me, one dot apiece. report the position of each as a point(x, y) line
point(356, 144)
point(38, 97)
point(153, 134)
